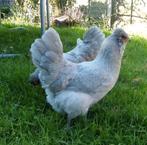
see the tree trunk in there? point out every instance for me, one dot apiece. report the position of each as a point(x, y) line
point(89, 4)
point(113, 12)
point(20, 2)
point(131, 16)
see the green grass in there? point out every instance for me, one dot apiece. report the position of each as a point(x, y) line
point(118, 119)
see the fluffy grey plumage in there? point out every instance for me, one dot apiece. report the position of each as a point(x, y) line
point(73, 88)
point(86, 50)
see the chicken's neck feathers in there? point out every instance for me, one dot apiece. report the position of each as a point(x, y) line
point(109, 58)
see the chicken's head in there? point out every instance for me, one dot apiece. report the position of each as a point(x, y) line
point(121, 36)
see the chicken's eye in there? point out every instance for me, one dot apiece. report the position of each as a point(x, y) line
point(124, 37)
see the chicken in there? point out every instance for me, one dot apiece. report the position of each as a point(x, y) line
point(86, 50)
point(72, 88)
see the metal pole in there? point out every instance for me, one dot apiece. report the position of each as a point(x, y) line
point(0, 15)
point(109, 5)
point(42, 15)
point(48, 14)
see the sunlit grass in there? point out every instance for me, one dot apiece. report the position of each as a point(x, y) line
point(119, 119)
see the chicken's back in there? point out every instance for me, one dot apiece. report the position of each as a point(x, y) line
point(93, 79)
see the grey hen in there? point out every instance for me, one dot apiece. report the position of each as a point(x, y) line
point(73, 88)
point(86, 50)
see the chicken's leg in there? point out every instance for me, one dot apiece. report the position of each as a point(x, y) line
point(85, 119)
point(69, 121)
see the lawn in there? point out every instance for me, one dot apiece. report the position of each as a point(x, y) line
point(120, 118)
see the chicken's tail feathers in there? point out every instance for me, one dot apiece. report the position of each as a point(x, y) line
point(91, 44)
point(47, 52)
point(94, 34)
point(88, 48)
